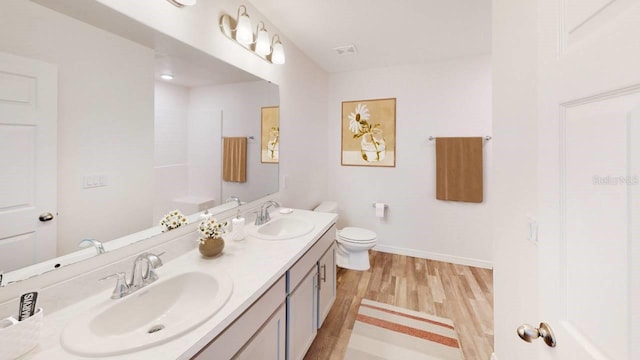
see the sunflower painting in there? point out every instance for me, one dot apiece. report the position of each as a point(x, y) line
point(369, 133)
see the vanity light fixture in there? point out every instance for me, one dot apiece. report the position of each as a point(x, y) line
point(183, 3)
point(263, 47)
point(240, 31)
point(243, 30)
point(277, 53)
point(166, 77)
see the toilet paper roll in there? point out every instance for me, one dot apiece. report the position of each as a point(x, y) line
point(380, 207)
point(238, 229)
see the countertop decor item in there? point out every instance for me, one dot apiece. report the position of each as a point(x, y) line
point(19, 337)
point(173, 220)
point(369, 133)
point(211, 242)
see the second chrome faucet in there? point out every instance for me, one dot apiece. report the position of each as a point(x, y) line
point(263, 216)
point(143, 274)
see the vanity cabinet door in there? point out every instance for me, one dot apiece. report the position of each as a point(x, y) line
point(302, 319)
point(326, 284)
point(269, 342)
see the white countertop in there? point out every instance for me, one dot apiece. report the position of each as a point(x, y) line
point(254, 265)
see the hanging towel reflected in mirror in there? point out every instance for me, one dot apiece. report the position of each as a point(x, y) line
point(234, 159)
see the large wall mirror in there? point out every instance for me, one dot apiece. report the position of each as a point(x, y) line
point(108, 125)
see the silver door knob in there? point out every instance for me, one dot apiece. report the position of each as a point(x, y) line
point(45, 217)
point(529, 333)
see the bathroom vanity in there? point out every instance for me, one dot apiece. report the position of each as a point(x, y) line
point(282, 291)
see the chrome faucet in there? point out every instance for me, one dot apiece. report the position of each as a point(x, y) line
point(233, 198)
point(88, 242)
point(263, 216)
point(140, 279)
point(141, 276)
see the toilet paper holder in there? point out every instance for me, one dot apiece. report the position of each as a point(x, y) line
point(385, 205)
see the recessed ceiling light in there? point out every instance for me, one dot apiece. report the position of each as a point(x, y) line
point(346, 50)
point(166, 77)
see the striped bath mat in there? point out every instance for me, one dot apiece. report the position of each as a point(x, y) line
point(388, 332)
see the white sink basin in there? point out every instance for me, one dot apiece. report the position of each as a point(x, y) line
point(151, 316)
point(283, 228)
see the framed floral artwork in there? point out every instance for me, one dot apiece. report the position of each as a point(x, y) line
point(369, 133)
point(270, 138)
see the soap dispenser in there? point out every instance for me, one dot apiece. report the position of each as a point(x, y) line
point(238, 233)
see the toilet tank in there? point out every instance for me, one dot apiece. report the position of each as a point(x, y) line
point(328, 207)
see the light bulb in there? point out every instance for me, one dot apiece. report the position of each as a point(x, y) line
point(244, 35)
point(262, 42)
point(277, 56)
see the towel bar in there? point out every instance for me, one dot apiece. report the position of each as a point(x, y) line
point(487, 138)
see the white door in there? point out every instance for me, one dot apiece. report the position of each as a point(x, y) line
point(589, 87)
point(28, 161)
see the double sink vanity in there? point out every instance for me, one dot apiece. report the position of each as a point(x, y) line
point(263, 297)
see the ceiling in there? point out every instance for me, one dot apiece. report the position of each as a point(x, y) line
point(385, 32)
point(193, 68)
point(189, 66)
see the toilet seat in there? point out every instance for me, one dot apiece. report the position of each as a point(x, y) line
point(357, 235)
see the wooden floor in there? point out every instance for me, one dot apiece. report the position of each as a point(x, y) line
point(461, 293)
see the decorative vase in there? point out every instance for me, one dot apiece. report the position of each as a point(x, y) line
point(212, 246)
point(373, 146)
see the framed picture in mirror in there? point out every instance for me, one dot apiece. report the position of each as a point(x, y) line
point(270, 139)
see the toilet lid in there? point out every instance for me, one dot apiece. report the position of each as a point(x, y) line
point(356, 234)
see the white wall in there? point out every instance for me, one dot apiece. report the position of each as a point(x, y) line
point(171, 160)
point(105, 119)
point(303, 86)
point(515, 174)
point(449, 98)
point(240, 104)
point(188, 149)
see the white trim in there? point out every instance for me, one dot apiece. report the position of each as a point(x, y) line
point(435, 256)
point(494, 356)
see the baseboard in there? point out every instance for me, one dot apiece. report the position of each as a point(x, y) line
point(435, 256)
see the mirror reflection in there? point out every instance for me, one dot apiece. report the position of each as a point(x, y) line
point(101, 135)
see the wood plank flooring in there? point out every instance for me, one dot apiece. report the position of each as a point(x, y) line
point(461, 293)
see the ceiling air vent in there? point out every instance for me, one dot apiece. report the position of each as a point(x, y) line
point(346, 50)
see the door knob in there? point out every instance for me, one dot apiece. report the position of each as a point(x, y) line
point(46, 217)
point(529, 333)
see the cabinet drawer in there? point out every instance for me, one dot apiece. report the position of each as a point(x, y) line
point(299, 270)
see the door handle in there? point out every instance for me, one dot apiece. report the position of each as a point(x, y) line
point(44, 217)
point(529, 333)
point(324, 272)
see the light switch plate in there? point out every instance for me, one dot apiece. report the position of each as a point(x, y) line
point(93, 181)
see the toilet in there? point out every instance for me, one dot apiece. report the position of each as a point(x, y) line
point(353, 243)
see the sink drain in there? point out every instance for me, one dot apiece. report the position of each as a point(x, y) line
point(155, 329)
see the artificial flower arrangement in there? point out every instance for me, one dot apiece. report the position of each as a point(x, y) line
point(210, 228)
point(173, 220)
